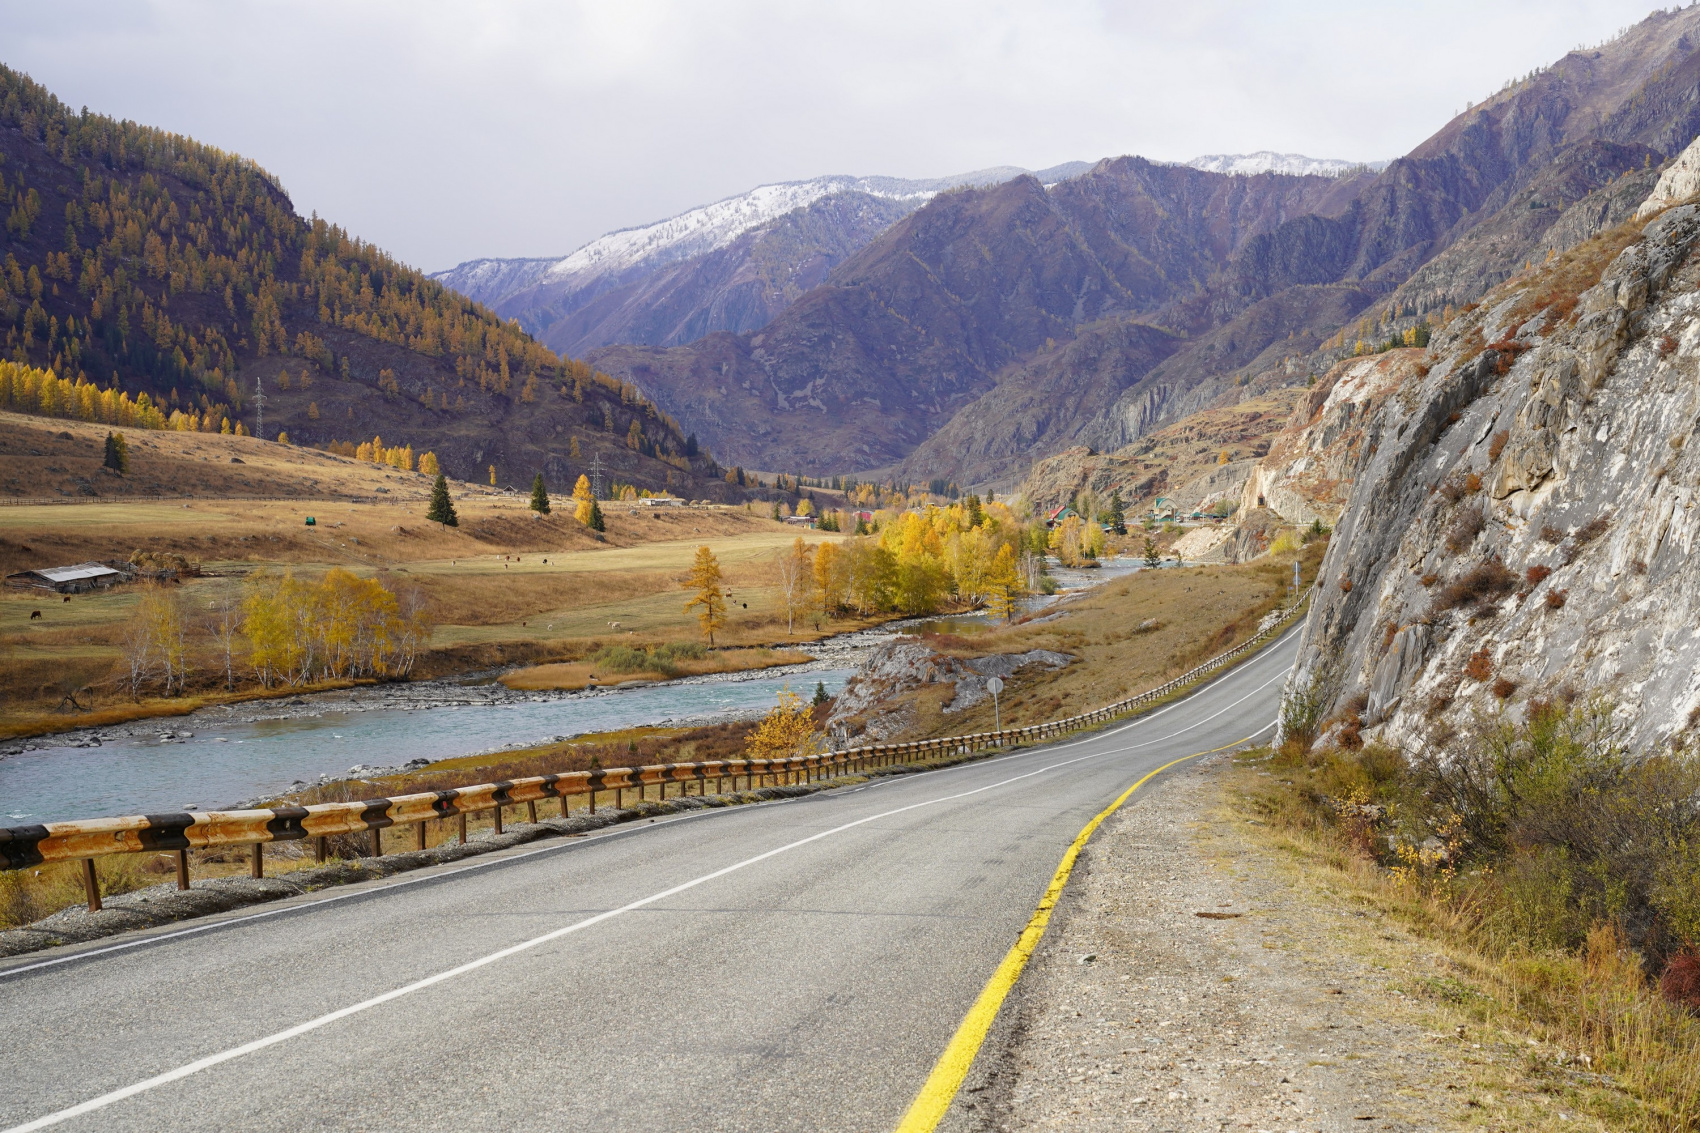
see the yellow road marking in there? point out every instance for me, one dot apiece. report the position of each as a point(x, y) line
point(940, 1088)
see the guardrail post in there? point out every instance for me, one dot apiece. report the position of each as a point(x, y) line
point(419, 835)
point(377, 842)
point(498, 813)
point(257, 863)
point(462, 817)
point(321, 844)
point(91, 885)
point(531, 812)
point(618, 801)
point(182, 869)
point(592, 798)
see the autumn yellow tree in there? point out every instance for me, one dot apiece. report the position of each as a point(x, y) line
point(1003, 584)
point(710, 600)
point(583, 500)
point(830, 576)
point(789, 729)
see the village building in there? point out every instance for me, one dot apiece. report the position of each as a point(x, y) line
point(76, 579)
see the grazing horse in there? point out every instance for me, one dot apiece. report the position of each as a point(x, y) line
point(34, 614)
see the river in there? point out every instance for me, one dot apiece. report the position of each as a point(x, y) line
point(227, 756)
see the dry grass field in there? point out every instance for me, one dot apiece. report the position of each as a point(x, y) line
point(1197, 613)
point(505, 586)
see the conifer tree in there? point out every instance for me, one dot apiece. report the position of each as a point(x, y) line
point(1117, 516)
point(539, 495)
point(596, 523)
point(117, 453)
point(1153, 558)
point(442, 508)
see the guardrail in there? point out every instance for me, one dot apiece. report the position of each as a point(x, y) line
point(180, 832)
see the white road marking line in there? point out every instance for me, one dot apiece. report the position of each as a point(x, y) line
point(107, 1099)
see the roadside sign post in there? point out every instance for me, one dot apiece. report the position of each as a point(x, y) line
point(995, 686)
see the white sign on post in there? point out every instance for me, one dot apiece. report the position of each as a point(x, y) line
point(995, 686)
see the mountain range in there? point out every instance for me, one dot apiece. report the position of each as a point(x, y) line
point(731, 265)
point(962, 334)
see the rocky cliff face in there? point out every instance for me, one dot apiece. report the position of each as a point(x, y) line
point(1312, 463)
point(1200, 459)
point(1524, 519)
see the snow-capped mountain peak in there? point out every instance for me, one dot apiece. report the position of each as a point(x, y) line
point(1268, 161)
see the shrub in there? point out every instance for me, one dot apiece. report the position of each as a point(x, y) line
point(1430, 579)
point(1497, 445)
point(1480, 665)
point(656, 659)
point(1556, 599)
point(1537, 574)
point(1483, 586)
point(1464, 530)
point(1302, 708)
point(1667, 346)
point(1586, 534)
point(1472, 483)
point(1452, 489)
point(1345, 585)
point(1504, 689)
point(1507, 349)
point(1551, 534)
point(1680, 982)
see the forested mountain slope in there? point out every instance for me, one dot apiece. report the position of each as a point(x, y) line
point(1252, 280)
point(144, 259)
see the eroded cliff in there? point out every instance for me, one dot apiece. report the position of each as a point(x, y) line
point(1523, 520)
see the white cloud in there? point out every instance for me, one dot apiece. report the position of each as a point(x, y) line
point(450, 130)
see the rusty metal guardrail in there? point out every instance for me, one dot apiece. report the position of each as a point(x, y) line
point(84, 840)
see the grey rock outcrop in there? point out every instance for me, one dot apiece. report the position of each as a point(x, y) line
point(1679, 182)
point(874, 695)
point(1524, 517)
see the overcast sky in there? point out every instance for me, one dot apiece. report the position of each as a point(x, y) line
point(447, 131)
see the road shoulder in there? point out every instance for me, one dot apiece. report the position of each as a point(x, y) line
point(1193, 979)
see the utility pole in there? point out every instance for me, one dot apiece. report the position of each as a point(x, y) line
point(259, 409)
point(596, 475)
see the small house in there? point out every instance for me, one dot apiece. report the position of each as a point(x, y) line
point(800, 520)
point(1059, 515)
point(76, 579)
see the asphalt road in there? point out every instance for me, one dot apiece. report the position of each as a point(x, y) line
point(797, 965)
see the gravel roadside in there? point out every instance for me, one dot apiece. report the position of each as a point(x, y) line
point(1192, 980)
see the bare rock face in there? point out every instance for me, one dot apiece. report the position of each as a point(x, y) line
point(1679, 182)
point(1309, 471)
point(875, 695)
point(1524, 516)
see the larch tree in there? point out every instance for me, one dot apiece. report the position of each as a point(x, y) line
point(709, 599)
point(1003, 584)
point(583, 498)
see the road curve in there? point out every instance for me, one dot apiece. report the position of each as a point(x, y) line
point(791, 966)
